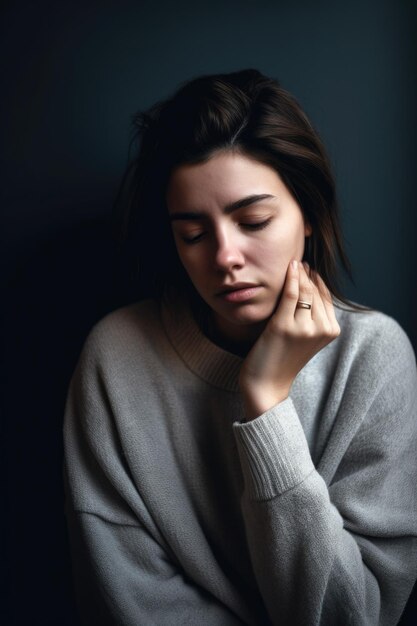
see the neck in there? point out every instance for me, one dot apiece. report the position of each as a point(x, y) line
point(237, 339)
point(230, 337)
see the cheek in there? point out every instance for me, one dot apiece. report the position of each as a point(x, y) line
point(274, 255)
point(279, 251)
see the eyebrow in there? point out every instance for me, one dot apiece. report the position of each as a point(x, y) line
point(229, 208)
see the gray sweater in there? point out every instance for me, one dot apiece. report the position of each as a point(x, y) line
point(181, 513)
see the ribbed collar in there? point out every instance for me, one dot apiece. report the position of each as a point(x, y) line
point(211, 363)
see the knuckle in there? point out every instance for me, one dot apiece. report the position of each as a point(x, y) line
point(327, 329)
point(307, 332)
point(292, 294)
point(330, 331)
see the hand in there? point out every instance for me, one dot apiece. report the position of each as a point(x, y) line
point(290, 339)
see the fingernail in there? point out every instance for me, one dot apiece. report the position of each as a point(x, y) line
point(294, 265)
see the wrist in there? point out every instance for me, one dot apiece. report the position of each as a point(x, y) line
point(256, 406)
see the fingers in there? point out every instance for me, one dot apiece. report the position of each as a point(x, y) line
point(306, 292)
point(290, 292)
point(318, 311)
point(323, 309)
point(317, 316)
point(299, 286)
point(316, 293)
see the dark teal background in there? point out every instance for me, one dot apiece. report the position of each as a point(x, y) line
point(73, 74)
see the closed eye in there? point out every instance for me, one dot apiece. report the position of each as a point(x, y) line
point(255, 225)
point(251, 226)
point(193, 239)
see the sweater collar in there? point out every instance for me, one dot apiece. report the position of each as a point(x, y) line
point(214, 365)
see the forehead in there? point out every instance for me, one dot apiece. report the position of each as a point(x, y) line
point(224, 178)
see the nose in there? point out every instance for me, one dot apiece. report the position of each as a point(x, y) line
point(228, 253)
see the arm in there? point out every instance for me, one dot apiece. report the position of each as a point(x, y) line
point(340, 551)
point(124, 571)
point(122, 575)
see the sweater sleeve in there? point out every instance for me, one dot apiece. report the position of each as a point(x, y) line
point(342, 551)
point(123, 570)
point(122, 575)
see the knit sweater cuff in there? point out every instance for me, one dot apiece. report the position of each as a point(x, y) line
point(273, 452)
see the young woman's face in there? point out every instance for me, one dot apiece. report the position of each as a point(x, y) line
point(236, 228)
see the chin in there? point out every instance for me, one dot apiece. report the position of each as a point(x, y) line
point(248, 314)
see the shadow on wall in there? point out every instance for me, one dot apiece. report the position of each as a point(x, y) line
point(54, 299)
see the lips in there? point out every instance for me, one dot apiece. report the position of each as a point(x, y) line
point(236, 287)
point(239, 293)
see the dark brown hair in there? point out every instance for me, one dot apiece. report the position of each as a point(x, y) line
point(243, 111)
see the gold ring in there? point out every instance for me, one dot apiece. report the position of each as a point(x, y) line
point(301, 304)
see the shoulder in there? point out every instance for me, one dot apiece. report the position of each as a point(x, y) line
point(373, 374)
point(129, 320)
point(376, 340)
point(124, 334)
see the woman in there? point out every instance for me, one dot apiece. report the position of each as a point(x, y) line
point(240, 446)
